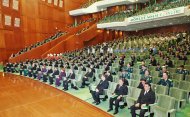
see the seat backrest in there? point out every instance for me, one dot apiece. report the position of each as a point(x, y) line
point(166, 102)
point(134, 83)
point(187, 78)
point(115, 78)
point(113, 87)
point(178, 93)
point(136, 76)
point(155, 73)
point(161, 89)
point(177, 77)
point(155, 80)
point(134, 92)
point(184, 85)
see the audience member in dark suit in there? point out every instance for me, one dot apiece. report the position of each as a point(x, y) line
point(86, 77)
point(158, 67)
point(51, 78)
point(142, 83)
point(133, 59)
point(169, 63)
point(117, 96)
point(48, 74)
point(146, 97)
point(109, 76)
point(103, 84)
point(153, 61)
point(70, 79)
point(125, 75)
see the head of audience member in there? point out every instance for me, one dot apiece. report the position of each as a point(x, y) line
point(128, 65)
point(55, 69)
point(143, 67)
point(124, 71)
point(165, 76)
point(103, 77)
point(108, 73)
point(89, 70)
point(181, 67)
point(63, 69)
point(146, 73)
point(143, 63)
point(143, 81)
point(71, 71)
point(121, 81)
point(147, 86)
point(164, 70)
point(44, 66)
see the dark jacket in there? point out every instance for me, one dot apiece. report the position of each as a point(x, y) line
point(102, 85)
point(121, 90)
point(148, 98)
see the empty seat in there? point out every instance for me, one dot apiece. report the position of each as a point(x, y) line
point(181, 97)
point(134, 83)
point(159, 89)
point(132, 96)
point(165, 106)
point(177, 77)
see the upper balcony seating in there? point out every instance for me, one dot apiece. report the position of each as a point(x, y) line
point(90, 2)
point(51, 38)
point(120, 16)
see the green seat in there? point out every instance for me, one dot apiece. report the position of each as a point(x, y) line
point(134, 83)
point(136, 77)
point(136, 71)
point(176, 83)
point(187, 78)
point(181, 97)
point(184, 85)
point(155, 80)
point(172, 70)
point(179, 62)
point(164, 107)
point(115, 78)
point(159, 89)
point(154, 73)
point(177, 77)
point(132, 96)
point(111, 89)
point(152, 68)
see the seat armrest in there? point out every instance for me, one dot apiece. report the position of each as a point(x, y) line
point(172, 111)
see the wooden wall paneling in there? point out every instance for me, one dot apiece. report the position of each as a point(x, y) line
point(3, 55)
point(71, 5)
point(2, 39)
point(59, 47)
point(37, 52)
point(29, 8)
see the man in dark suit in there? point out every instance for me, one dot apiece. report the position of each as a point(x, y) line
point(52, 77)
point(109, 76)
point(117, 96)
point(146, 97)
point(70, 79)
point(45, 76)
point(86, 77)
point(142, 83)
point(169, 63)
point(103, 84)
